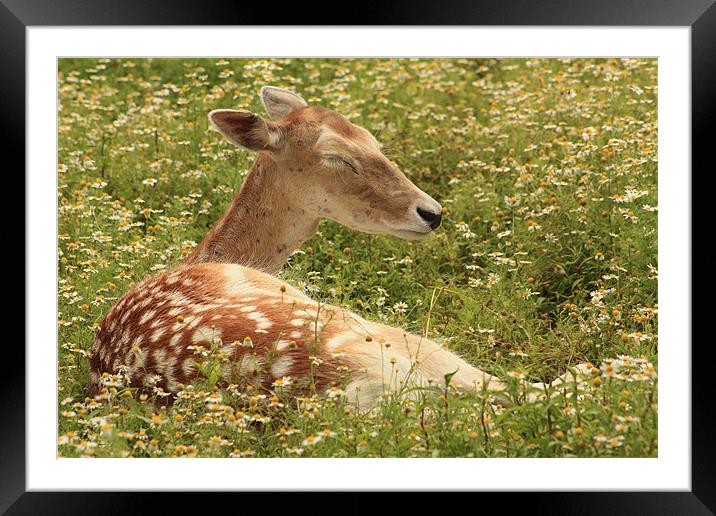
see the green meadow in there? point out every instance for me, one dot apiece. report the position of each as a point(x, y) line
point(547, 256)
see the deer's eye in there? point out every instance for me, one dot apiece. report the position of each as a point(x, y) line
point(337, 160)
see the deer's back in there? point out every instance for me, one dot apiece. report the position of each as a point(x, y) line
point(154, 335)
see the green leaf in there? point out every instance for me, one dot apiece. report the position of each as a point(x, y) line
point(449, 376)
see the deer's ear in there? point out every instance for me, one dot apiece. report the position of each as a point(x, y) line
point(246, 129)
point(280, 103)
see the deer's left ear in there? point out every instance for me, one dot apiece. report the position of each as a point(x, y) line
point(247, 130)
point(280, 103)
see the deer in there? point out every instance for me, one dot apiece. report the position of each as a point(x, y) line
point(311, 163)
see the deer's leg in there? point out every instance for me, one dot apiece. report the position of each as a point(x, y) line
point(386, 359)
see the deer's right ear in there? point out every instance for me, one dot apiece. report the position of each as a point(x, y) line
point(280, 103)
point(245, 129)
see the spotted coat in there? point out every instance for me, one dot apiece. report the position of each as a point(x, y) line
point(268, 329)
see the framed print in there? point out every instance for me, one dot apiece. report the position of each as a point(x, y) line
point(449, 240)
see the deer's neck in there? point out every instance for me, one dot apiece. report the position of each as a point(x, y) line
point(263, 225)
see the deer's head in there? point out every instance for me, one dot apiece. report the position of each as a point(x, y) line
point(334, 167)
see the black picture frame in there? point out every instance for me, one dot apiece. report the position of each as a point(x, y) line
point(700, 15)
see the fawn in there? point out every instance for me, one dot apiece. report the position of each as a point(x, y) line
point(311, 163)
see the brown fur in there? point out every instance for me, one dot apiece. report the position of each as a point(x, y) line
point(182, 302)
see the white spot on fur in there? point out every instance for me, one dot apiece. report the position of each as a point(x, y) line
point(190, 322)
point(206, 334)
point(126, 315)
point(160, 357)
point(281, 366)
point(204, 308)
point(145, 303)
point(188, 367)
point(281, 345)
point(146, 316)
point(229, 349)
point(249, 365)
point(125, 338)
point(170, 371)
point(140, 358)
point(157, 334)
point(179, 299)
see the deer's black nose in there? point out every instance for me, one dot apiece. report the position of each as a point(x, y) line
point(433, 219)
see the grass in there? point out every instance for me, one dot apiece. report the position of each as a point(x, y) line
point(547, 256)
